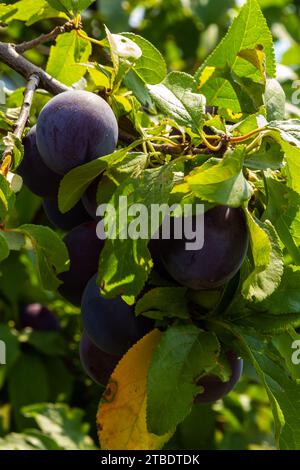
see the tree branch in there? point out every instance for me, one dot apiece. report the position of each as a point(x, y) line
point(32, 84)
point(13, 59)
point(25, 46)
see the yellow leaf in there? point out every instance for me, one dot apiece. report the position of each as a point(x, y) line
point(256, 57)
point(206, 75)
point(121, 417)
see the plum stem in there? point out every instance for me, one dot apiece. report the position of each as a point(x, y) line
point(32, 84)
point(243, 138)
point(213, 148)
point(83, 35)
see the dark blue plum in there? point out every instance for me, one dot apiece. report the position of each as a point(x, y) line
point(214, 388)
point(110, 323)
point(76, 216)
point(74, 128)
point(225, 247)
point(89, 199)
point(36, 175)
point(84, 249)
point(38, 317)
point(97, 364)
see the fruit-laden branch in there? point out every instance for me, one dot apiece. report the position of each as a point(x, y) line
point(32, 84)
point(10, 57)
point(65, 28)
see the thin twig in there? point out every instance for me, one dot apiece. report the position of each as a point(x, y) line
point(22, 120)
point(25, 46)
point(167, 149)
point(32, 84)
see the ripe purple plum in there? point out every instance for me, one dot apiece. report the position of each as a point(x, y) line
point(76, 216)
point(36, 175)
point(97, 364)
point(110, 323)
point(38, 317)
point(225, 247)
point(74, 128)
point(84, 249)
point(214, 388)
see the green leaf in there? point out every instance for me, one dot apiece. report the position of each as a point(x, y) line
point(134, 83)
point(267, 261)
point(7, 197)
point(77, 180)
point(248, 32)
point(151, 66)
point(286, 298)
point(269, 156)
point(80, 5)
point(183, 354)
point(29, 11)
point(271, 324)
point(289, 130)
point(63, 424)
point(161, 302)
point(284, 394)
point(283, 344)
point(61, 5)
point(5, 12)
point(274, 100)
point(65, 55)
point(283, 211)
point(60, 379)
point(287, 134)
point(126, 263)
point(69, 6)
point(5, 123)
point(4, 248)
point(51, 253)
point(14, 240)
point(50, 343)
point(176, 97)
point(27, 383)
point(29, 440)
point(12, 350)
point(222, 182)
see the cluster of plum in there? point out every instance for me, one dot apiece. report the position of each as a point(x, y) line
point(74, 128)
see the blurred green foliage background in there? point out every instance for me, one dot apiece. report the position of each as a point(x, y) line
point(43, 372)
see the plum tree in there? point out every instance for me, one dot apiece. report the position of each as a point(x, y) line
point(73, 128)
point(36, 175)
point(214, 388)
point(96, 363)
point(38, 317)
point(225, 246)
point(76, 216)
point(84, 250)
point(111, 323)
point(89, 198)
